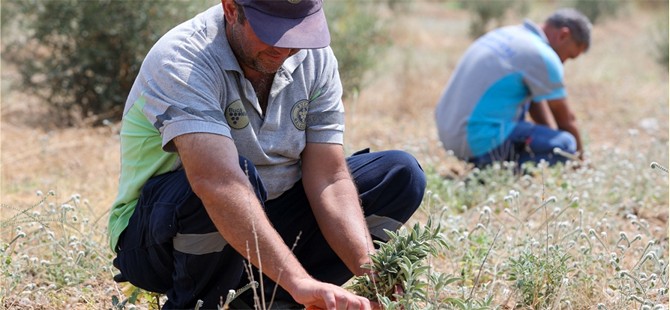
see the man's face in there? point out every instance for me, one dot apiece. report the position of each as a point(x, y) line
point(564, 44)
point(252, 53)
point(569, 49)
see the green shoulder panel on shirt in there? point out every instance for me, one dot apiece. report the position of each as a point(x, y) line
point(142, 157)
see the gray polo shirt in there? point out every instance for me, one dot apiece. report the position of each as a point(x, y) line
point(191, 82)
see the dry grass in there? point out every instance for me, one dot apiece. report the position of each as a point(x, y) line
point(618, 91)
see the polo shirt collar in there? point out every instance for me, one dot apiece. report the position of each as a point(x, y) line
point(534, 28)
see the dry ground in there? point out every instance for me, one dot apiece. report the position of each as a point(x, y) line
point(616, 89)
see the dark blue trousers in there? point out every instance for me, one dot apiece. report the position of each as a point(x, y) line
point(171, 246)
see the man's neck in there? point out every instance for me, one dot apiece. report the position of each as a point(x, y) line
point(262, 83)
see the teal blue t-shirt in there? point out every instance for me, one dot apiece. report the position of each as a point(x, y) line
point(498, 74)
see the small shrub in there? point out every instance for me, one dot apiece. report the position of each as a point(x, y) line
point(539, 277)
point(660, 36)
point(398, 266)
point(81, 57)
point(485, 12)
point(359, 36)
point(597, 10)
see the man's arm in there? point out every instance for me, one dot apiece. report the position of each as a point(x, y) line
point(212, 167)
point(565, 120)
point(541, 114)
point(334, 201)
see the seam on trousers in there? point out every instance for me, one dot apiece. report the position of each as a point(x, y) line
point(377, 224)
point(199, 244)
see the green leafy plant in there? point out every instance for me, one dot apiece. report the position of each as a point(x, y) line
point(401, 278)
point(539, 277)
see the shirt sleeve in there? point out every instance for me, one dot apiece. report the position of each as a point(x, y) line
point(182, 92)
point(325, 117)
point(544, 75)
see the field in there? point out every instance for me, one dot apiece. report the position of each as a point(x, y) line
point(574, 237)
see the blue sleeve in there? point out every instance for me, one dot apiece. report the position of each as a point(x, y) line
point(545, 78)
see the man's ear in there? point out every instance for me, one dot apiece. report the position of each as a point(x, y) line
point(564, 33)
point(229, 11)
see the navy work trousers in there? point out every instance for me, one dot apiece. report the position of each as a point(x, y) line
point(171, 246)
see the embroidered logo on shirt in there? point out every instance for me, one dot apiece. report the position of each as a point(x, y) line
point(299, 114)
point(236, 115)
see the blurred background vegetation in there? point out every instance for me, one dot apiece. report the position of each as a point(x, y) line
point(81, 56)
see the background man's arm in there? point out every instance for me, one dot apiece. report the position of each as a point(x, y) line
point(541, 114)
point(565, 120)
point(212, 167)
point(334, 200)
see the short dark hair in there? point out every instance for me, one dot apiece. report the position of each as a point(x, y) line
point(578, 23)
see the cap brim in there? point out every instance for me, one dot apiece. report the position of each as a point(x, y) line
point(308, 32)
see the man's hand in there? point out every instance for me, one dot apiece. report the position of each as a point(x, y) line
point(565, 120)
point(319, 295)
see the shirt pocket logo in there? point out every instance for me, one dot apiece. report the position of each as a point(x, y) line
point(236, 115)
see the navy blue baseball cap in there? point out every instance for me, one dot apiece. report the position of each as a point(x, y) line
point(288, 23)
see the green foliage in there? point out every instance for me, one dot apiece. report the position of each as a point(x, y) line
point(359, 36)
point(539, 277)
point(597, 10)
point(485, 12)
point(402, 279)
point(81, 57)
point(660, 36)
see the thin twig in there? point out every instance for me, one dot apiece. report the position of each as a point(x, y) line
point(481, 266)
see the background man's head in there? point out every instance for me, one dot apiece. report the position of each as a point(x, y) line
point(569, 33)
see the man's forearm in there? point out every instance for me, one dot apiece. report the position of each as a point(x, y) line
point(212, 167)
point(245, 226)
point(340, 217)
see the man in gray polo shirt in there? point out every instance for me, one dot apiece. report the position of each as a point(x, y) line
point(231, 150)
point(504, 74)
